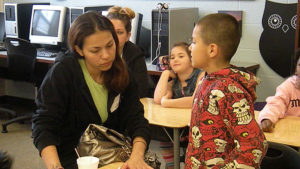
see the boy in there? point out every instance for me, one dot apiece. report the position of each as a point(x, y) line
point(223, 131)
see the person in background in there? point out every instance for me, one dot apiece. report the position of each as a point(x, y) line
point(285, 102)
point(223, 131)
point(5, 160)
point(177, 92)
point(89, 85)
point(133, 55)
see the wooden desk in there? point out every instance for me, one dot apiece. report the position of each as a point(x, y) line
point(3, 54)
point(286, 131)
point(112, 166)
point(175, 118)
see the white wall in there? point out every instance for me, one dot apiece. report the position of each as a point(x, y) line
point(1, 5)
point(248, 50)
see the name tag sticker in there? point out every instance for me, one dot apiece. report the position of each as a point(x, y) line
point(115, 104)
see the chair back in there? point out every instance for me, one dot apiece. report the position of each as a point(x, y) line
point(21, 57)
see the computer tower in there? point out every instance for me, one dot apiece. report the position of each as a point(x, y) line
point(2, 28)
point(17, 19)
point(76, 11)
point(170, 26)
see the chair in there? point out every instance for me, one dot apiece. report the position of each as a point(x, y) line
point(21, 57)
point(280, 156)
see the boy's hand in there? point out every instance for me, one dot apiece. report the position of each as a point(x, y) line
point(267, 125)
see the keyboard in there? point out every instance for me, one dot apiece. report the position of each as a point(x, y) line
point(48, 53)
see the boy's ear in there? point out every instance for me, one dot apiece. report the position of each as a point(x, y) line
point(213, 50)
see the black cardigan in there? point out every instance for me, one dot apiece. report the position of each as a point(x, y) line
point(135, 59)
point(65, 108)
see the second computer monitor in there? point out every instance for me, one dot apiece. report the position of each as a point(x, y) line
point(47, 24)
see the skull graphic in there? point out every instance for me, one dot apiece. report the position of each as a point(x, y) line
point(243, 166)
point(214, 97)
point(237, 145)
point(257, 154)
point(195, 163)
point(265, 144)
point(229, 166)
point(221, 144)
point(196, 135)
point(234, 89)
point(241, 109)
point(246, 75)
point(212, 162)
point(234, 70)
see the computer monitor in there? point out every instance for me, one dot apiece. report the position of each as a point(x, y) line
point(136, 25)
point(77, 11)
point(47, 24)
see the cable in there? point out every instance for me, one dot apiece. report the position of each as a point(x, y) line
point(160, 6)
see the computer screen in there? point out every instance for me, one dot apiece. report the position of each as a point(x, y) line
point(136, 25)
point(47, 24)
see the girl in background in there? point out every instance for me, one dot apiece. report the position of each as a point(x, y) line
point(177, 92)
point(285, 102)
point(133, 55)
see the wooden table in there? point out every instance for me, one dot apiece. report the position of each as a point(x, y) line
point(3, 54)
point(112, 166)
point(286, 131)
point(175, 118)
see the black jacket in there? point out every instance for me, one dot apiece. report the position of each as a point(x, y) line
point(135, 59)
point(65, 108)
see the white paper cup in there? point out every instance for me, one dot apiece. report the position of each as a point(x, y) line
point(88, 162)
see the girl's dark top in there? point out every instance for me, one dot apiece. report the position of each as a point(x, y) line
point(178, 91)
point(135, 59)
point(65, 108)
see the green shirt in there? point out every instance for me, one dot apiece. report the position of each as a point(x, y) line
point(99, 92)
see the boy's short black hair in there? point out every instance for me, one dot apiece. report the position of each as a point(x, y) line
point(5, 160)
point(223, 30)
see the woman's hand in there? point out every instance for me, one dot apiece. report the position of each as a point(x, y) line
point(135, 163)
point(136, 160)
point(267, 125)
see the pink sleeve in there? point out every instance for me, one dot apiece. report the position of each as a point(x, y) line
point(276, 106)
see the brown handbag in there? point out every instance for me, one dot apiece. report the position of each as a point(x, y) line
point(110, 146)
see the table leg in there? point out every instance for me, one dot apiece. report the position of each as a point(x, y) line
point(176, 148)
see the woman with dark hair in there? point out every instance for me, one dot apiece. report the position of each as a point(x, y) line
point(89, 85)
point(133, 55)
